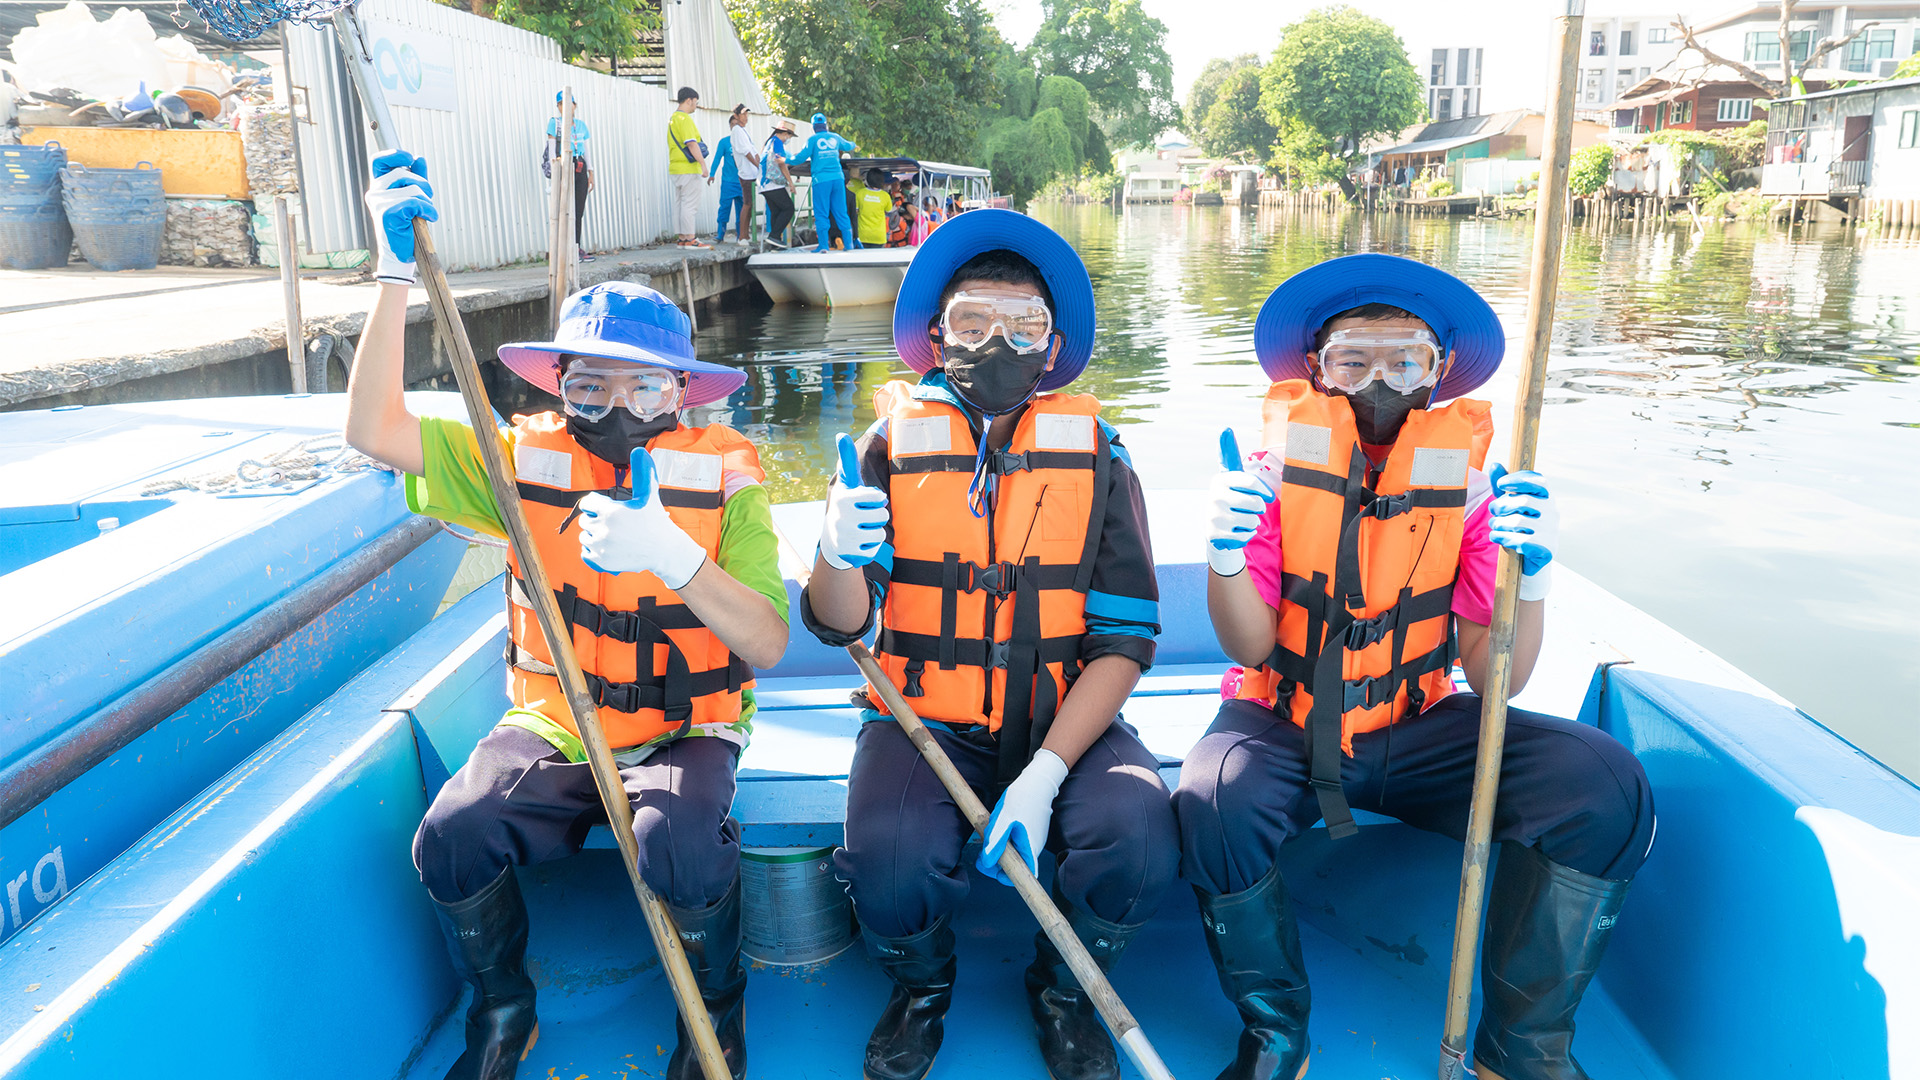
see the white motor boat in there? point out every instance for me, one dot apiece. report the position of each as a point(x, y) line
point(802, 275)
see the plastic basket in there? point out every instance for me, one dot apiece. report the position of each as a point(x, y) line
point(143, 179)
point(31, 166)
point(34, 245)
point(121, 246)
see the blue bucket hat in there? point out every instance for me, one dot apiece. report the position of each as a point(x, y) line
point(1468, 329)
point(975, 233)
point(618, 320)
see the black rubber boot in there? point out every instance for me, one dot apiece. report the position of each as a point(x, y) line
point(711, 937)
point(907, 1036)
point(1255, 944)
point(1073, 1042)
point(487, 937)
point(1547, 926)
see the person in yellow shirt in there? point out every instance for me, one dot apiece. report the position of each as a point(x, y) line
point(686, 164)
point(874, 200)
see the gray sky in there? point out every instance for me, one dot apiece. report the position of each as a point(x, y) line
point(1516, 35)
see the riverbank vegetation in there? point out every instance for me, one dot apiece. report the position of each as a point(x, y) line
point(936, 79)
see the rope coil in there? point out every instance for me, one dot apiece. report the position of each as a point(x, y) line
point(311, 459)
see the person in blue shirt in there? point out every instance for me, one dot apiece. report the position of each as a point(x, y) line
point(822, 155)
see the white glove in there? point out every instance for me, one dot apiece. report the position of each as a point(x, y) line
point(1236, 500)
point(1023, 815)
point(1527, 523)
point(399, 193)
point(628, 537)
point(857, 515)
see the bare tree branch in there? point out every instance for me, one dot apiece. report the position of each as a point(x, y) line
point(1775, 88)
point(1834, 44)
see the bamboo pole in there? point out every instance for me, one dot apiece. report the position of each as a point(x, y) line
point(560, 250)
point(290, 293)
point(1548, 238)
point(586, 713)
point(1126, 1030)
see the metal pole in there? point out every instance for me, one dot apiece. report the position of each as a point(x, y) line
point(1549, 236)
point(546, 610)
point(1126, 1030)
point(290, 292)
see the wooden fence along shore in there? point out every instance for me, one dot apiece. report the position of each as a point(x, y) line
point(1878, 217)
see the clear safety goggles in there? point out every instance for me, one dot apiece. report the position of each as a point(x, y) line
point(971, 318)
point(1405, 360)
point(590, 391)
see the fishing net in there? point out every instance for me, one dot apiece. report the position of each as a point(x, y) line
point(245, 20)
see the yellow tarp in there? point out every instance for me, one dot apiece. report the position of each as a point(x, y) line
point(206, 164)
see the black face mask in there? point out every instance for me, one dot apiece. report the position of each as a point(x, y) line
point(1379, 410)
point(614, 437)
point(993, 378)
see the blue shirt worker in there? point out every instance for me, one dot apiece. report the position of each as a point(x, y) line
point(582, 174)
point(1350, 565)
point(997, 524)
point(735, 163)
point(822, 155)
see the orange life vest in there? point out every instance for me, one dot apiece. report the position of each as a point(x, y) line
point(984, 616)
point(654, 667)
point(1365, 633)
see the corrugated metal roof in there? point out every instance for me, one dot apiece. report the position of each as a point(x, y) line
point(1431, 146)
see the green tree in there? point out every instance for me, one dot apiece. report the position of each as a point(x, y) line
point(1300, 155)
point(897, 76)
point(1236, 125)
point(1119, 53)
point(1591, 169)
point(1343, 76)
point(1909, 68)
point(1193, 112)
point(582, 27)
point(1070, 100)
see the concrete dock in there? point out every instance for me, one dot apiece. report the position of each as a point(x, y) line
point(81, 336)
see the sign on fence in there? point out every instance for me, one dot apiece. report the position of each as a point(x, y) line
point(416, 68)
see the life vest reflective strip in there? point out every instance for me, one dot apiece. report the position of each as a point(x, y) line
point(1365, 635)
point(653, 666)
point(984, 617)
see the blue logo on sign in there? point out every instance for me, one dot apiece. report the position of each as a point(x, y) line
point(398, 64)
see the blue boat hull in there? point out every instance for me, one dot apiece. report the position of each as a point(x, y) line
point(276, 924)
point(109, 614)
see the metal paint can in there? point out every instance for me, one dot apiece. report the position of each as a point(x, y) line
point(793, 910)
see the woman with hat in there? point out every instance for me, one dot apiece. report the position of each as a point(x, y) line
point(658, 539)
point(1352, 562)
point(776, 182)
point(997, 525)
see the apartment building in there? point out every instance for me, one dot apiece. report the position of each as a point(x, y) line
point(1453, 83)
point(1751, 34)
point(1619, 53)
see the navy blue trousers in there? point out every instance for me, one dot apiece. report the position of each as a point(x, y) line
point(518, 801)
point(1112, 835)
point(1569, 789)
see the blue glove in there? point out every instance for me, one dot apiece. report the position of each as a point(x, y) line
point(1024, 815)
point(1527, 523)
point(635, 535)
point(399, 193)
point(1238, 499)
point(857, 515)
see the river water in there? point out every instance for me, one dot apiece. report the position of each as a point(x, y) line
point(1732, 421)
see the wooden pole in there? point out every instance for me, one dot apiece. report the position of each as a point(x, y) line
point(1549, 237)
point(586, 713)
point(686, 281)
point(290, 292)
point(560, 248)
point(1126, 1030)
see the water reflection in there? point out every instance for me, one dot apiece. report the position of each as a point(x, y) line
point(1732, 412)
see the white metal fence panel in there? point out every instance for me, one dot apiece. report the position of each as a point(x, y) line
point(332, 159)
point(483, 157)
point(704, 52)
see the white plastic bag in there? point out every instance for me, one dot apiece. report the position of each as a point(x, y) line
point(102, 60)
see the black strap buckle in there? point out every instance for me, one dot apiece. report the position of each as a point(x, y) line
point(620, 697)
point(1005, 461)
point(996, 578)
point(1364, 632)
point(1386, 506)
point(997, 652)
point(1360, 692)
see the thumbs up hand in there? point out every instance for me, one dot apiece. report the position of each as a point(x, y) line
point(1237, 499)
point(857, 514)
point(634, 535)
